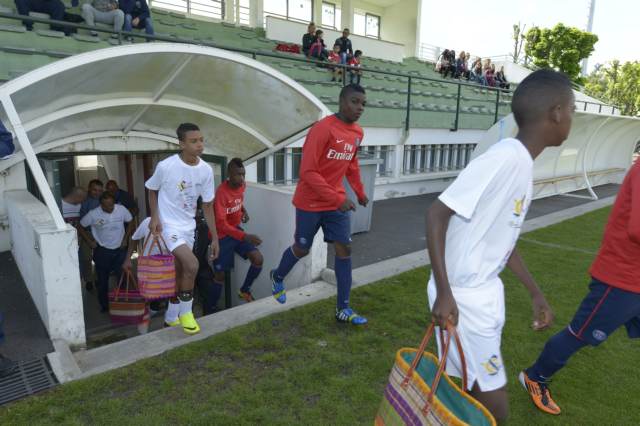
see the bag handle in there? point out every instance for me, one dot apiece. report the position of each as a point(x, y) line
point(451, 331)
point(157, 239)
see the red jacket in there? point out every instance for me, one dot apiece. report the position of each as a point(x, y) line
point(328, 155)
point(619, 256)
point(227, 207)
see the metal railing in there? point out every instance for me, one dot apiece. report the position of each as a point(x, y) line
point(410, 78)
point(431, 158)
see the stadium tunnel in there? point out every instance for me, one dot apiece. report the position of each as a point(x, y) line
point(123, 104)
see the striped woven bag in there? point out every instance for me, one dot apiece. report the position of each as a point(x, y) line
point(157, 272)
point(126, 304)
point(415, 395)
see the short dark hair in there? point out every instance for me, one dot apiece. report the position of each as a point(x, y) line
point(95, 182)
point(357, 53)
point(538, 92)
point(106, 195)
point(351, 88)
point(183, 128)
point(318, 32)
point(346, 29)
point(235, 162)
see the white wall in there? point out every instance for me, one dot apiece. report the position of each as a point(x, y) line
point(48, 261)
point(12, 178)
point(273, 219)
point(399, 24)
point(292, 32)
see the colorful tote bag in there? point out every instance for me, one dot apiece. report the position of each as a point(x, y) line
point(126, 304)
point(416, 395)
point(157, 272)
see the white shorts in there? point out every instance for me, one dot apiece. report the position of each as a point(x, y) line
point(480, 321)
point(175, 237)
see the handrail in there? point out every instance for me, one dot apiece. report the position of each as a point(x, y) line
point(255, 53)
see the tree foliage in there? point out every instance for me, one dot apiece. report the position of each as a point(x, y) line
point(618, 84)
point(560, 47)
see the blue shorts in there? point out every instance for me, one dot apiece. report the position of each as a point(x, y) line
point(228, 247)
point(335, 224)
point(603, 311)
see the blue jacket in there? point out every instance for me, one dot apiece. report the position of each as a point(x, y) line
point(6, 141)
point(135, 8)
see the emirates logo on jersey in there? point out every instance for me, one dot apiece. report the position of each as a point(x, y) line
point(335, 155)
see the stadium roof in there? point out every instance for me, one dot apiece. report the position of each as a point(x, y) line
point(144, 91)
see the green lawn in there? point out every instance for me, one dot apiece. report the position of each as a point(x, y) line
point(300, 367)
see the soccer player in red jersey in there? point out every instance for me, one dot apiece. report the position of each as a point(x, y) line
point(613, 299)
point(230, 212)
point(328, 155)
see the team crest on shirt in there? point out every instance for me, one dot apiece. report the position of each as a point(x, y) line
point(519, 206)
point(493, 365)
point(100, 222)
point(184, 185)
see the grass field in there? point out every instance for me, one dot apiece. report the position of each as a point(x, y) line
point(300, 367)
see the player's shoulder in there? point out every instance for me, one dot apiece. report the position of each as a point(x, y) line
point(508, 149)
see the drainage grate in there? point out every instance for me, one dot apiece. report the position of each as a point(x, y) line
point(30, 377)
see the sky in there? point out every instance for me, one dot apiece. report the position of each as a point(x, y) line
point(485, 28)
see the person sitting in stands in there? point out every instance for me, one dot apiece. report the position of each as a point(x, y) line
point(476, 72)
point(461, 65)
point(489, 75)
point(6, 143)
point(346, 49)
point(443, 61)
point(450, 69)
point(334, 58)
point(104, 12)
point(318, 49)
point(308, 38)
point(355, 74)
point(136, 15)
point(53, 8)
point(501, 79)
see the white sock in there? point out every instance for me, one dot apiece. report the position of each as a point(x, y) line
point(185, 307)
point(173, 310)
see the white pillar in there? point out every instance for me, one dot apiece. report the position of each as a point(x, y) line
point(256, 13)
point(347, 15)
point(230, 11)
point(317, 13)
point(398, 160)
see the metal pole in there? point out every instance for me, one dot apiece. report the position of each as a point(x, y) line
point(32, 161)
point(455, 125)
point(406, 124)
point(600, 108)
point(495, 117)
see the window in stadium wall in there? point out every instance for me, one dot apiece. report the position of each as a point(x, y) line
point(296, 158)
point(366, 24)
point(279, 164)
point(208, 8)
point(331, 16)
point(262, 170)
point(297, 10)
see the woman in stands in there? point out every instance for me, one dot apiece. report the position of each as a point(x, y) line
point(318, 50)
point(501, 79)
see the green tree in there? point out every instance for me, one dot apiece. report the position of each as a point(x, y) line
point(560, 47)
point(616, 84)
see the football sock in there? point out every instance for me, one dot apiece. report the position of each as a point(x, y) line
point(173, 310)
point(555, 355)
point(343, 276)
point(287, 263)
point(252, 274)
point(186, 301)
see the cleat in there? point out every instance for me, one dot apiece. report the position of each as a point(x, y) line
point(348, 315)
point(246, 296)
point(172, 323)
point(189, 324)
point(277, 289)
point(539, 393)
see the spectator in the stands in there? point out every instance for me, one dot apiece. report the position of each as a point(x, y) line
point(53, 8)
point(122, 196)
point(501, 79)
point(346, 49)
point(318, 49)
point(489, 75)
point(308, 38)
point(355, 74)
point(104, 12)
point(334, 58)
point(450, 68)
point(136, 15)
point(6, 365)
point(461, 66)
point(71, 205)
point(443, 62)
point(7, 147)
point(476, 72)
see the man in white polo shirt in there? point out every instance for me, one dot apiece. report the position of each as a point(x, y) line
point(107, 232)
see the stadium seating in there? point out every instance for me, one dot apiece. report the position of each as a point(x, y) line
point(433, 103)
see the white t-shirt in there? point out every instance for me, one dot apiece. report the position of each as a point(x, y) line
point(70, 212)
point(107, 228)
point(179, 185)
point(491, 197)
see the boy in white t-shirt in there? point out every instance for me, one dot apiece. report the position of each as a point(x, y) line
point(174, 189)
point(472, 229)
